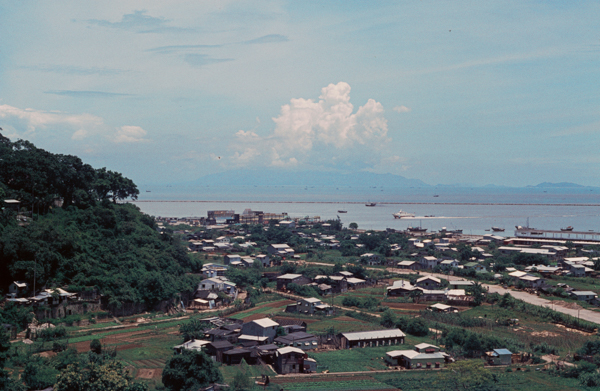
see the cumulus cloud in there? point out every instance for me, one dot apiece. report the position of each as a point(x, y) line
point(130, 134)
point(326, 131)
point(27, 122)
point(32, 120)
point(402, 109)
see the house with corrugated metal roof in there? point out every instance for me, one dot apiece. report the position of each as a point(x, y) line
point(363, 339)
point(424, 356)
point(289, 360)
point(264, 327)
point(499, 357)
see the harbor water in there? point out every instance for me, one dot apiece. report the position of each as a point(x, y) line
point(474, 210)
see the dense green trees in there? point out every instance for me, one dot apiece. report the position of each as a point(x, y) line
point(111, 246)
point(110, 376)
point(189, 371)
point(37, 178)
point(91, 240)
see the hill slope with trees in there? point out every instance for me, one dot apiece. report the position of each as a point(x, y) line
point(76, 233)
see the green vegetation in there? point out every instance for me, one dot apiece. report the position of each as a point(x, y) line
point(110, 376)
point(353, 360)
point(190, 370)
point(91, 241)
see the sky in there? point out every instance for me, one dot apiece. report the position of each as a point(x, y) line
point(477, 92)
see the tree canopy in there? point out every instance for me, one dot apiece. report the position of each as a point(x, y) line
point(92, 241)
point(38, 178)
point(189, 371)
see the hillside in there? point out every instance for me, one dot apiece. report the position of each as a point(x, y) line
point(92, 240)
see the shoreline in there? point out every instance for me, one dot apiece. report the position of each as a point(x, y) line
point(379, 203)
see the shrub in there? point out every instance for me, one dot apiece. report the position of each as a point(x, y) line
point(417, 327)
point(51, 334)
point(96, 346)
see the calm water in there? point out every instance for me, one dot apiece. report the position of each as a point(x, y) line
point(472, 210)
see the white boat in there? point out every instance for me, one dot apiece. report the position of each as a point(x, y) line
point(401, 214)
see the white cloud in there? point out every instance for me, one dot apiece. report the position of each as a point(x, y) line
point(317, 132)
point(130, 134)
point(402, 109)
point(26, 122)
point(32, 120)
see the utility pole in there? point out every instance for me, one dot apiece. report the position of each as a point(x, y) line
point(34, 270)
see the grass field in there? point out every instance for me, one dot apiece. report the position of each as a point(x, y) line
point(268, 308)
point(145, 349)
point(420, 380)
point(352, 360)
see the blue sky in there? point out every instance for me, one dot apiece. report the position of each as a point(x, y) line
point(443, 91)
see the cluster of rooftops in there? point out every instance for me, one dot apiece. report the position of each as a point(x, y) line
point(257, 341)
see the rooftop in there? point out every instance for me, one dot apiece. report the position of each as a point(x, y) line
point(366, 335)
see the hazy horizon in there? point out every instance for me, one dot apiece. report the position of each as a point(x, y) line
point(444, 92)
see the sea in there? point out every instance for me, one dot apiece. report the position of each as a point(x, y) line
point(474, 210)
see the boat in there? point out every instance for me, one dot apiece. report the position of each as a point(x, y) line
point(416, 229)
point(445, 230)
point(371, 204)
point(400, 214)
point(342, 211)
point(496, 229)
point(436, 195)
point(569, 228)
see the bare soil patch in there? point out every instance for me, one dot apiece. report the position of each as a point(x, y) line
point(346, 319)
point(47, 354)
point(570, 305)
point(278, 304)
point(308, 321)
point(252, 317)
point(572, 330)
point(544, 334)
point(146, 373)
point(321, 378)
point(407, 306)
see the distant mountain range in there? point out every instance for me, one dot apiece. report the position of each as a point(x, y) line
point(309, 178)
point(561, 184)
point(273, 177)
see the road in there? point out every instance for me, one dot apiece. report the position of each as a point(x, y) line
point(584, 314)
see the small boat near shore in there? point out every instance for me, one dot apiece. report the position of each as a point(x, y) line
point(445, 230)
point(342, 211)
point(371, 204)
point(496, 229)
point(416, 229)
point(402, 214)
point(569, 228)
